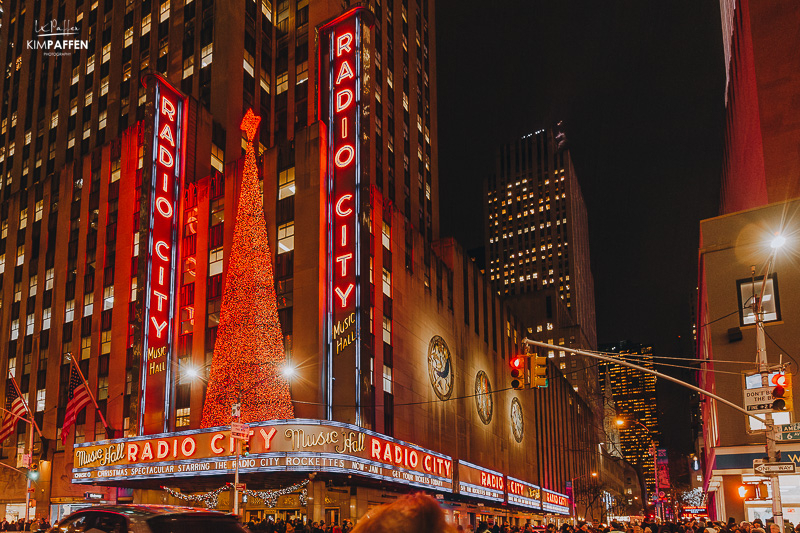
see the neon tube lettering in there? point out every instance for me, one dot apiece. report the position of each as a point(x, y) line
point(164, 207)
point(343, 296)
point(166, 134)
point(339, 209)
point(349, 154)
point(343, 43)
point(344, 236)
point(167, 108)
point(343, 100)
point(164, 157)
point(344, 127)
point(159, 327)
point(345, 72)
point(161, 297)
point(342, 260)
point(159, 245)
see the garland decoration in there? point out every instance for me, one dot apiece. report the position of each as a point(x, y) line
point(210, 499)
point(270, 497)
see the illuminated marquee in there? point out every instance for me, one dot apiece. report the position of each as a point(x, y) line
point(161, 253)
point(523, 494)
point(480, 482)
point(340, 56)
point(278, 445)
point(555, 502)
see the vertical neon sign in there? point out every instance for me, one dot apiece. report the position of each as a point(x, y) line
point(342, 98)
point(158, 323)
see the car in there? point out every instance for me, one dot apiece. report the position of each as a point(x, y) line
point(148, 519)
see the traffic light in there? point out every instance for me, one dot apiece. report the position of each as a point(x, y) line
point(246, 448)
point(517, 364)
point(539, 370)
point(33, 471)
point(782, 392)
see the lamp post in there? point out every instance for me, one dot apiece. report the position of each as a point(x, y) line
point(621, 422)
point(574, 493)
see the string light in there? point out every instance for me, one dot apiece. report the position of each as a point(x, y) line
point(248, 355)
point(270, 497)
point(210, 499)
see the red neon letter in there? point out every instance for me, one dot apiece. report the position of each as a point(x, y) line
point(159, 327)
point(161, 298)
point(343, 43)
point(166, 133)
point(376, 449)
point(343, 296)
point(164, 157)
point(216, 438)
point(164, 207)
point(345, 72)
point(167, 108)
point(267, 437)
point(349, 154)
point(343, 100)
point(339, 210)
point(342, 259)
point(159, 245)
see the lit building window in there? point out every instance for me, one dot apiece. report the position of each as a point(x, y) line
point(215, 259)
point(286, 183)
point(285, 237)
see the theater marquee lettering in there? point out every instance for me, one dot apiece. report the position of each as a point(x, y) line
point(293, 445)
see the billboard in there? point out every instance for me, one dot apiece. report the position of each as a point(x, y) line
point(474, 480)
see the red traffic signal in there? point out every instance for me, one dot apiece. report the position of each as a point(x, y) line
point(779, 395)
point(517, 364)
point(779, 379)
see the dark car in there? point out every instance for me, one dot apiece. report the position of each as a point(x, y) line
point(147, 519)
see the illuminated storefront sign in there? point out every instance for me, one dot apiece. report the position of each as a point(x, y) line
point(523, 493)
point(340, 54)
point(555, 502)
point(483, 483)
point(280, 445)
point(159, 235)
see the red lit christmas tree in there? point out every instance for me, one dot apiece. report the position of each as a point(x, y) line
point(248, 355)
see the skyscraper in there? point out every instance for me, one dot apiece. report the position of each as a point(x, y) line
point(634, 394)
point(538, 248)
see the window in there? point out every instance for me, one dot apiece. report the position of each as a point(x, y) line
point(217, 211)
point(387, 283)
point(146, 24)
point(15, 329)
point(46, 313)
point(387, 330)
point(105, 342)
point(69, 314)
point(215, 258)
point(285, 237)
point(29, 321)
point(18, 291)
point(88, 303)
point(387, 236)
point(286, 186)
point(39, 209)
point(281, 83)
point(32, 283)
point(23, 218)
point(182, 417)
point(217, 158)
point(387, 379)
point(108, 298)
point(2, 263)
point(20, 255)
point(749, 289)
point(86, 347)
point(207, 55)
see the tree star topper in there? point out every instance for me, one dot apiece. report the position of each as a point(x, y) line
point(250, 124)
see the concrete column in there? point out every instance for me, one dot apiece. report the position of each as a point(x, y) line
point(316, 501)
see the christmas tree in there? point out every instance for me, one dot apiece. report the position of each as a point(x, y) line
point(248, 355)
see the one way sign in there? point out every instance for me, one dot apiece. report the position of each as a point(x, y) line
point(774, 468)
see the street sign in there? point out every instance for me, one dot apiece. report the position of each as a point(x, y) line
point(774, 468)
point(240, 431)
point(788, 432)
point(236, 409)
point(758, 400)
point(240, 487)
point(26, 460)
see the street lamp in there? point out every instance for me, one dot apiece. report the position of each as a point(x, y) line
point(574, 493)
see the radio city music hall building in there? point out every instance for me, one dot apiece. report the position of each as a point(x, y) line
point(400, 346)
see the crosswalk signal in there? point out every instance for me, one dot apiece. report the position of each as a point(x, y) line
point(33, 471)
point(539, 369)
point(517, 364)
point(747, 491)
point(782, 392)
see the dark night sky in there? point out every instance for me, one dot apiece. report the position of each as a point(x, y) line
point(639, 85)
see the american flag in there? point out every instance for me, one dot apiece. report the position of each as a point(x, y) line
point(15, 409)
point(77, 398)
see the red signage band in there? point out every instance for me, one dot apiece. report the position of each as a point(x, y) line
point(555, 502)
point(523, 494)
point(158, 327)
point(343, 178)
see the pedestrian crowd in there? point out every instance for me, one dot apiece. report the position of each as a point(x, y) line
point(37, 524)
point(269, 525)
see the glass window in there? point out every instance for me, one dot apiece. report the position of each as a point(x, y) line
point(387, 330)
point(69, 315)
point(286, 186)
point(215, 259)
point(749, 290)
point(108, 297)
point(86, 347)
point(88, 303)
point(285, 237)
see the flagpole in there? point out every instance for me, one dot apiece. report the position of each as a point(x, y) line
point(88, 390)
point(12, 412)
point(25, 404)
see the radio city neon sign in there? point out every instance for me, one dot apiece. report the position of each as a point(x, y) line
point(159, 306)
